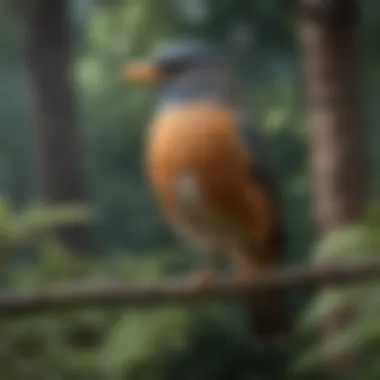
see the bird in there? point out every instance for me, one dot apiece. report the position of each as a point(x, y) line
point(207, 165)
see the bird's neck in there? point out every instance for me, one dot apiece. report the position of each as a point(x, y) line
point(207, 87)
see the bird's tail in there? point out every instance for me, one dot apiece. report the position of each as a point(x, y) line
point(268, 318)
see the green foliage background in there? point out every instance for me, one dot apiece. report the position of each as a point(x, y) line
point(201, 342)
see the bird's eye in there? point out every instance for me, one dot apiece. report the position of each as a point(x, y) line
point(175, 66)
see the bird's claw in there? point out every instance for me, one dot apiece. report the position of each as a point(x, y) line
point(201, 277)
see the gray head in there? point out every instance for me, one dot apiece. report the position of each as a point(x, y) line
point(186, 71)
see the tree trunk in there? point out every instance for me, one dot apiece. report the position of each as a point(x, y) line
point(328, 31)
point(335, 110)
point(59, 145)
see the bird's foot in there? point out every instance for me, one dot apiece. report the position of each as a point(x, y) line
point(201, 277)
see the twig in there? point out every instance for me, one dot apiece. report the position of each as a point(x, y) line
point(83, 295)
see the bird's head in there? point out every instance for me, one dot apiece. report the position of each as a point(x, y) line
point(184, 70)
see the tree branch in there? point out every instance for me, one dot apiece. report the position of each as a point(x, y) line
point(68, 296)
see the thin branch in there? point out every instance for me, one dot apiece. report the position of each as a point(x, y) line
point(71, 296)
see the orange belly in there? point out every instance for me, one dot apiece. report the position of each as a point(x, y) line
point(200, 173)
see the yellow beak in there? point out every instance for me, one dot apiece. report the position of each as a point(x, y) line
point(142, 73)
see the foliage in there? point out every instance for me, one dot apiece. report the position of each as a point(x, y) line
point(19, 229)
point(353, 243)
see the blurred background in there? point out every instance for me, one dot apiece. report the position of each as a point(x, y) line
point(65, 113)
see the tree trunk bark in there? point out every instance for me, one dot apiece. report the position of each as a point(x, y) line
point(335, 110)
point(59, 144)
point(328, 32)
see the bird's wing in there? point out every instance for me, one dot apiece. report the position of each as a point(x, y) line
point(263, 173)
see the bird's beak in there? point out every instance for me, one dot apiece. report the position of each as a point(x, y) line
point(145, 73)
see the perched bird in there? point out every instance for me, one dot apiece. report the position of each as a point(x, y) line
point(208, 170)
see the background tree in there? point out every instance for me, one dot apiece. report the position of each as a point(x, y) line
point(329, 34)
point(59, 142)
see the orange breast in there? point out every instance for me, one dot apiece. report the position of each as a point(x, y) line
point(201, 140)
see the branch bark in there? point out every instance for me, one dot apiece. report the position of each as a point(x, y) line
point(84, 295)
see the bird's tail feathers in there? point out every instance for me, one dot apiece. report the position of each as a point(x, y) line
point(268, 318)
